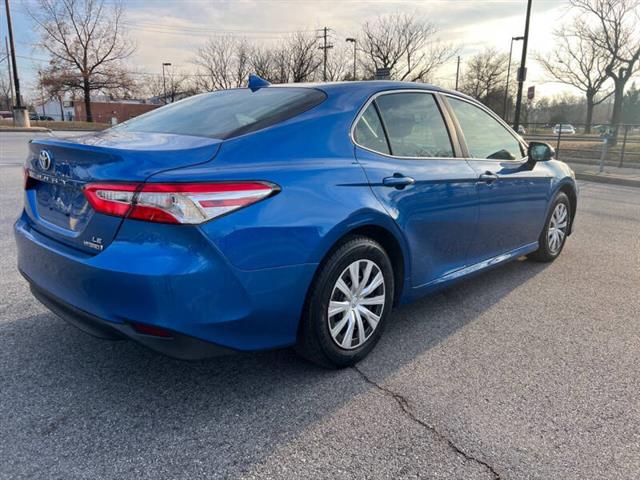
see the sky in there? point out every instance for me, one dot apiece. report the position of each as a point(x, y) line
point(172, 30)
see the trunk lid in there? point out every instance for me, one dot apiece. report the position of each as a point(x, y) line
point(60, 168)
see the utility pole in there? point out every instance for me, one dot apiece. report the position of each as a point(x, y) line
point(325, 47)
point(457, 72)
point(506, 90)
point(522, 71)
point(6, 46)
point(20, 116)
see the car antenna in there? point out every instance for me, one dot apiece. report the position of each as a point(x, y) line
point(256, 82)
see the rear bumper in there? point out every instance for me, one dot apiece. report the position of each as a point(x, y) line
point(177, 345)
point(170, 277)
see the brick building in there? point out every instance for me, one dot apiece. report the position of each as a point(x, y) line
point(104, 112)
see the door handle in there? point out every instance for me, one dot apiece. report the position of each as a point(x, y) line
point(398, 181)
point(488, 177)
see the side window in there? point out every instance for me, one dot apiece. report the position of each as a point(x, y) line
point(414, 125)
point(369, 132)
point(485, 137)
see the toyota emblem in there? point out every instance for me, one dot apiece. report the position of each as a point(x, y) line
point(44, 160)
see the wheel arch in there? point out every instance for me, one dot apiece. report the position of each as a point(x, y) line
point(391, 245)
point(570, 191)
point(383, 230)
point(386, 238)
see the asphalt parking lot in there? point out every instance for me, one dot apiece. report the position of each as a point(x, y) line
point(528, 371)
point(14, 145)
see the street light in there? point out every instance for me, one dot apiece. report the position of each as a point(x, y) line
point(506, 91)
point(164, 83)
point(354, 41)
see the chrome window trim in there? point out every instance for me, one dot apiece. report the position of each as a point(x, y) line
point(402, 90)
point(495, 116)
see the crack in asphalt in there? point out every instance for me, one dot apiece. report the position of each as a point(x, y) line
point(403, 403)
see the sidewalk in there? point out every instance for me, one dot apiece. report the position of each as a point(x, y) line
point(620, 176)
point(11, 129)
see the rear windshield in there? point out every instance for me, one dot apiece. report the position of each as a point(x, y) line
point(227, 113)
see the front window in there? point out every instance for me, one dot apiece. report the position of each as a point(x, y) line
point(484, 135)
point(227, 113)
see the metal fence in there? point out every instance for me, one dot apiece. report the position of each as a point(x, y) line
point(599, 147)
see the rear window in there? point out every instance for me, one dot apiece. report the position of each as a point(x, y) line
point(227, 113)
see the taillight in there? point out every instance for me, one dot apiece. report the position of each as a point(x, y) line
point(27, 180)
point(187, 203)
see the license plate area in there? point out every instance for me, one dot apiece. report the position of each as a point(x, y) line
point(62, 204)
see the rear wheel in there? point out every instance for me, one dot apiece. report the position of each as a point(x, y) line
point(348, 304)
point(554, 233)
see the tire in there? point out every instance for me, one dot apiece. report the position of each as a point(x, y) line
point(346, 346)
point(549, 249)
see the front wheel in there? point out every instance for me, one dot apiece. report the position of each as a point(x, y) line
point(554, 233)
point(348, 304)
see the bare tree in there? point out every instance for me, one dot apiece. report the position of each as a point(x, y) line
point(86, 42)
point(281, 64)
point(295, 59)
point(5, 93)
point(340, 63)
point(272, 64)
point(262, 62)
point(484, 77)
point(579, 62)
point(612, 25)
point(404, 44)
point(54, 88)
point(177, 84)
point(304, 59)
point(223, 63)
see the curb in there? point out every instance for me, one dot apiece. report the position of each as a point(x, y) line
point(24, 129)
point(593, 177)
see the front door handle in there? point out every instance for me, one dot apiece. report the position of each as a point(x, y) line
point(488, 177)
point(398, 181)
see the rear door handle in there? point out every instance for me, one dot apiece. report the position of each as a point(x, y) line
point(488, 177)
point(398, 181)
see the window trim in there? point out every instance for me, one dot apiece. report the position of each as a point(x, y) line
point(450, 128)
point(383, 124)
point(376, 112)
point(463, 141)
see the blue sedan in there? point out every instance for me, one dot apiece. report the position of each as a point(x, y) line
point(275, 216)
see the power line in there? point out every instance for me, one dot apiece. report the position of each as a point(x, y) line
point(262, 35)
point(129, 72)
point(205, 29)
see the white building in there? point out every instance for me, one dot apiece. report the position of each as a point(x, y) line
point(58, 110)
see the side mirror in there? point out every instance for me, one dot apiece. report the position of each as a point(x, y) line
point(540, 152)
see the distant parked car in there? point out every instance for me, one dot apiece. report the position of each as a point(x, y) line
point(6, 114)
point(564, 128)
point(36, 117)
